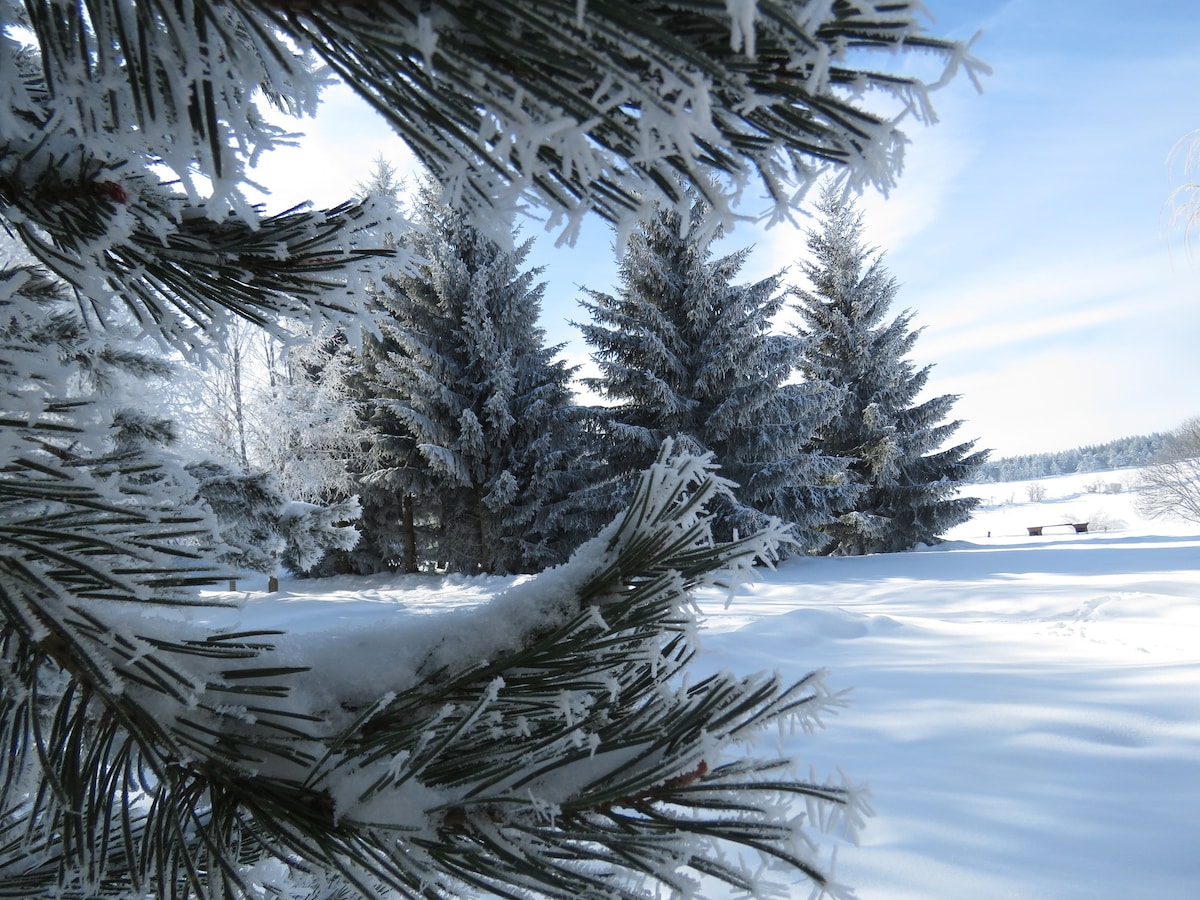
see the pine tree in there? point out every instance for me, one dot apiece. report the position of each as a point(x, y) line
point(261, 530)
point(475, 413)
point(247, 508)
point(908, 480)
point(687, 354)
point(142, 762)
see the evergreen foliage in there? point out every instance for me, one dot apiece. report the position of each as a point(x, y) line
point(91, 520)
point(155, 758)
point(247, 508)
point(477, 427)
point(576, 106)
point(389, 473)
point(261, 530)
point(284, 484)
point(906, 478)
point(687, 354)
point(311, 532)
point(383, 465)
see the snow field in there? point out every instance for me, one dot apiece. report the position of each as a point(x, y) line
point(1024, 710)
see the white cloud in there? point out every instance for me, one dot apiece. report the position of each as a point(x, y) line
point(336, 153)
point(1068, 395)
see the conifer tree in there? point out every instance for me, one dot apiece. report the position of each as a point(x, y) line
point(247, 508)
point(145, 761)
point(260, 529)
point(687, 354)
point(474, 411)
point(390, 473)
point(385, 468)
point(907, 479)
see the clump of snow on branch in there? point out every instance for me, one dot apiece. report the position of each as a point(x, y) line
point(804, 88)
point(415, 698)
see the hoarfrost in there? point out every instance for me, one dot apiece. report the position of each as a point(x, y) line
point(742, 14)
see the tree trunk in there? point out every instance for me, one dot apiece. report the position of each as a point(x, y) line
point(239, 410)
point(408, 534)
point(485, 547)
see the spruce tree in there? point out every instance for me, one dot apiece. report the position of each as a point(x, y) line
point(687, 354)
point(247, 508)
point(390, 474)
point(474, 411)
point(907, 479)
point(261, 530)
point(146, 761)
point(382, 464)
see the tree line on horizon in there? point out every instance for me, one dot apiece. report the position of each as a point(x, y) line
point(1121, 453)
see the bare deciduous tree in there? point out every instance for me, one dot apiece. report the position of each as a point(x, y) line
point(1170, 487)
point(1185, 197)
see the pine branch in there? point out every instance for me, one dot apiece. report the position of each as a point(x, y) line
point(183, 275)
point(566, 752)
point(604, 105)
point(573, 759)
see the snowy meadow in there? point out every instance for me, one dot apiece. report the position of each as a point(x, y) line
point(1025, 711)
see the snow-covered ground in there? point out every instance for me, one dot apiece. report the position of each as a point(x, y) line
point(1025, 710)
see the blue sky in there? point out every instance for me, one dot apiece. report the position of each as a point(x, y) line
point(1031, 231)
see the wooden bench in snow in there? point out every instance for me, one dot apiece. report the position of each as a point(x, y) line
point(1036, 530)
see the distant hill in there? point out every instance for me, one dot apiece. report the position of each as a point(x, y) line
point(1122, 453)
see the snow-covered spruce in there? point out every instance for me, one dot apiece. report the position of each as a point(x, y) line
point(477, 457)
point(904, 480)
point(687, 354)
point(261, 530)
